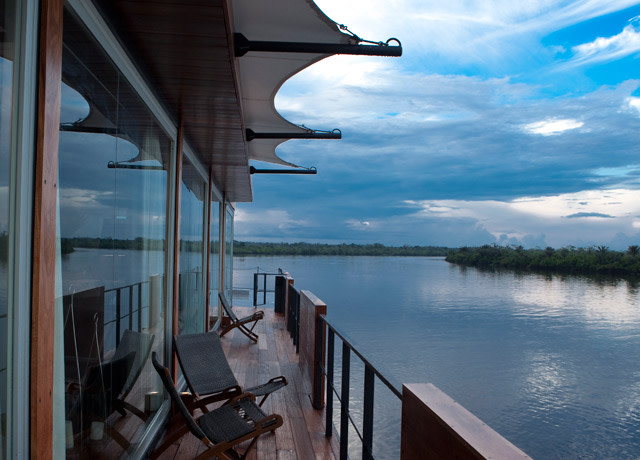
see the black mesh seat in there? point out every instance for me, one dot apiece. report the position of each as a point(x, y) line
point(221, 429)
point(207, 372)
point(138, 343)
point(244, 325)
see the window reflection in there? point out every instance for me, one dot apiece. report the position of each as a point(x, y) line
point(7, 32)
point(228, 252)
point(214, 264)
point(113, 159)
point(191, 309)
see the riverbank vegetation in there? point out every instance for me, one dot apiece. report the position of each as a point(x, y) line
point(241, 248)
point(594, 260)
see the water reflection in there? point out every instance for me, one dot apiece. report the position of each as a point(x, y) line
point(550, 362)
point(601, 303)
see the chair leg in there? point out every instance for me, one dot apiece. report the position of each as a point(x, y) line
point(248, 332)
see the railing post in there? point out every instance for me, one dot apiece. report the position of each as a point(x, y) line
point(255, 289)
point(367, 416)
point(330, 362)
point(280, 296)
point(264, 292)
point(117, 317)
point(140, 307)
point(130, 307)
point(317, 380)
point(344, 402)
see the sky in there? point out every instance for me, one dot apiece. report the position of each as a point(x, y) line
point(503, 122)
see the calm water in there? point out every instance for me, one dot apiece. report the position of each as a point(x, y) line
point(552, 363)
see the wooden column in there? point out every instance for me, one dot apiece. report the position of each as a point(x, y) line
point(311, 308)
point(44, 229)
point(434, 426)
point(176, 246)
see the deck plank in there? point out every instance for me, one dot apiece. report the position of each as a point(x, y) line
point(301, 437)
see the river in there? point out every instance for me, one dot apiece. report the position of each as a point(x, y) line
point(550, 362)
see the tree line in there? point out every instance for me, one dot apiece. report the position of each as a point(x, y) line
point(593, 260)
point(241, 248)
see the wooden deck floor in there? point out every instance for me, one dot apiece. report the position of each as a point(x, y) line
point(302, 435)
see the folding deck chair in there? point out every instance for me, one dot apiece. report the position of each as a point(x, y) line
point(242, 323)
point(207, 372)
point(221, 429)
point(106, 386)
point(138, 343)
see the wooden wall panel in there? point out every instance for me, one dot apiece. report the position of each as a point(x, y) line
point(44, 232)
point(311, 308)
point(434, 426)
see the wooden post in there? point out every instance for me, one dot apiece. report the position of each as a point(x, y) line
point(312, 338)
point(434, 426)
point(44, 229)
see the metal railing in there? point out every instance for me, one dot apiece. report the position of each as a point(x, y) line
point(129, 316)
point(343, 397)
point(262, 276)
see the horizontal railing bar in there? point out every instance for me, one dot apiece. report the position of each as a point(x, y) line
point(128, 286)
point(146, 307)
point(394, 387)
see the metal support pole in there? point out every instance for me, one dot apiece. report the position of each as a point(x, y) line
point(139, 307)
point(255, 289)
point(118, 317)
point(367, 416)
point(243, 46)
point(344, 403)
point(130, 308)
point(317, 384)
point(329, 406)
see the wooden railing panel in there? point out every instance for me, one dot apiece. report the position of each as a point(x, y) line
point(434, 426)
point(311, 308)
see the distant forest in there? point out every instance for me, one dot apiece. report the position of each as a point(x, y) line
point(68, 244)
point(594, 260)
point(241, 248)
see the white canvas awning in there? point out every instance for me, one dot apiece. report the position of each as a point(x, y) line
point(262, 74)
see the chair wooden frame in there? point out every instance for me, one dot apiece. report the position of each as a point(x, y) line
point(240, 323)
point(241, 410)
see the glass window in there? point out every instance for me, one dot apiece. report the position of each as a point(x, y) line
point(191, 307)
point(214, 260)
point(113, 161)
point(228, 252)
point(7, 40)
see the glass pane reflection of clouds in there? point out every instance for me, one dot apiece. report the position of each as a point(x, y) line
point(113, 241)
point(7, 30)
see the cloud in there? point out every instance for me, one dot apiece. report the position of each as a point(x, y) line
point(461, 122)
point(589, 214)
point(604, 49)
point(256, 225)
point(552, 127)
point(494, 34)
point(523, 220)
